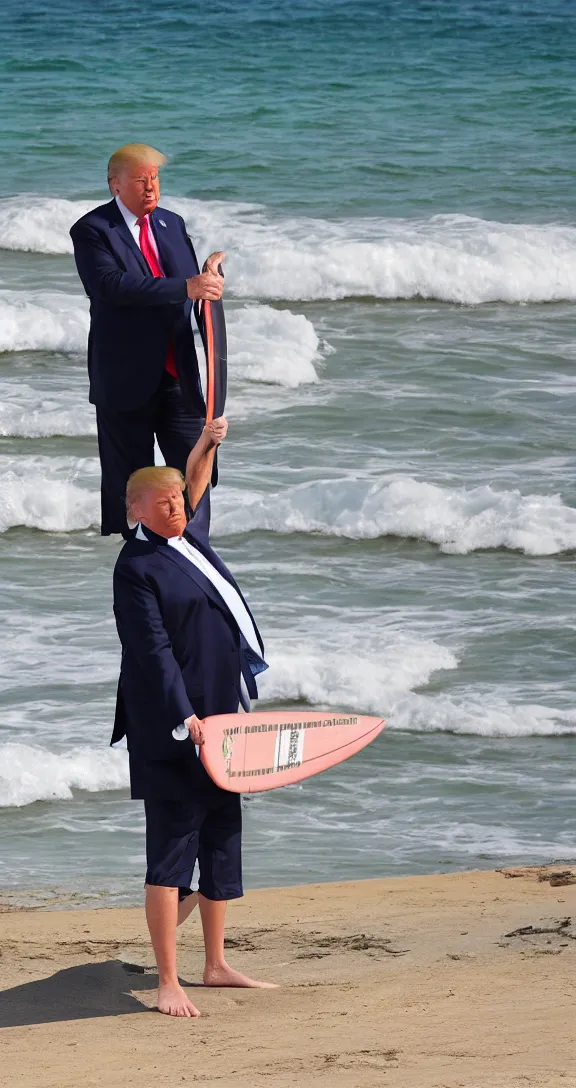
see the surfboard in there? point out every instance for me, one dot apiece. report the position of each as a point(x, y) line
point(212, 325)
point(250, 753)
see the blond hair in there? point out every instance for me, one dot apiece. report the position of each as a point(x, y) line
point(134, 155)
point(156, 477)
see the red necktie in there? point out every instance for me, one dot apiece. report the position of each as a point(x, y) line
point(149, 253)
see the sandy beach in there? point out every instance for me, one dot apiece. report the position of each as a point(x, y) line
point(461, 980)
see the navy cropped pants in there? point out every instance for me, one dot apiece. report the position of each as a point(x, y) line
point(207, 828)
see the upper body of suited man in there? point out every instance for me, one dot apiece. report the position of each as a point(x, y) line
point(140, 272)
point(190, 648)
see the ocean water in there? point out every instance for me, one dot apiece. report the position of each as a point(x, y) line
point(393, 183)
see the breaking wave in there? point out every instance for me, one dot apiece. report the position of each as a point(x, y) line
point(458, 520)
point(453, 258)
point(50, 494)
point(380, 679)
point(266, 345)
point(43, 321)
point(32, 773)
point(379, 675)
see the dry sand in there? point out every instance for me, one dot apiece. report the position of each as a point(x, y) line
point(406, 983)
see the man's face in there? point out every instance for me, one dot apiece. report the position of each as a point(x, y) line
point(162, 510)
point(138, 188)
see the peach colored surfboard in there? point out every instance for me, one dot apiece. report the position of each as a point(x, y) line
point(249, 753)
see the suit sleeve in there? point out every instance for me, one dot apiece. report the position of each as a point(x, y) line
point(103, 279)
point(199, 525)
point(144, 637)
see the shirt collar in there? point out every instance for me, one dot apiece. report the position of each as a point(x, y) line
point(142, 532)
point(148, 535)
point(129, 218)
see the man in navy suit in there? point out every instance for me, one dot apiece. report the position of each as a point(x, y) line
point(140, 272)
point(190, 648)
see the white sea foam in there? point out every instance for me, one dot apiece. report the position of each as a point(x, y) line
point(459, 520)
point(39, 224)
point(377, 674)
point(490, 715)
point(265, 345)
point(380, 668)
point(43, 321)
point(454, 258)
point(26, 411)
point(272, 346)
point(48, 493)
point(31, 773)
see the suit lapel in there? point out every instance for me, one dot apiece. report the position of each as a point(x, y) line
point(222, 569)
point(118, 222)
point(193, 572)
point(162, 236)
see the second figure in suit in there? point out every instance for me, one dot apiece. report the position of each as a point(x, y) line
point(140, 272)
point(190, 648)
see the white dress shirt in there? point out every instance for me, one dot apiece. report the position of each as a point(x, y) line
point(131, 221)
point(227, 591)
point(229, 595)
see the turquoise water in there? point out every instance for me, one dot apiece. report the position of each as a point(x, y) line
point(393, 184)
point(353, 108)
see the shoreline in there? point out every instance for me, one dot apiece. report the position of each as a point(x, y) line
point(50, 898)
point(410, 982)
point(54, 898)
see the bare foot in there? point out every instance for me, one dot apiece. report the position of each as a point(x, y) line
point(173, 1001)
point(186, 906)
point(223, 975)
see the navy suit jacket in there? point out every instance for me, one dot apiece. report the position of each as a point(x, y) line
point(182, 653)
point(133, 315)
